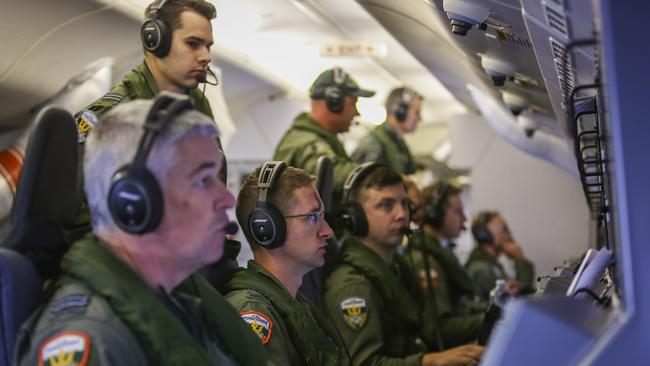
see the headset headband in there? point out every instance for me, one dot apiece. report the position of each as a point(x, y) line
point(269, 172)
point(359, 173)
point(164, 108)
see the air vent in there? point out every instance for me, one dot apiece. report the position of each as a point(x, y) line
point(563, 67)
point(555, 17)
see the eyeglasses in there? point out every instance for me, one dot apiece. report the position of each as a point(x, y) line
point(312, 218)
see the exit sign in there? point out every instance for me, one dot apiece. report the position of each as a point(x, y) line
point(353, 49)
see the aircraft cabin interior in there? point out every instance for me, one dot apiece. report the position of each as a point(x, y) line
point(537, 108)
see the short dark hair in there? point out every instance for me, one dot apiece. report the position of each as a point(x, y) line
point(378, 178)
point(171, 11)
point(281, 195)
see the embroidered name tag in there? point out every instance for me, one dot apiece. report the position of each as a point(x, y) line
point(260, 324)
point(354, 312)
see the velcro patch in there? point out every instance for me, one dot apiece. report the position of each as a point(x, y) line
point(65, 349)
point(85, 122)
point(260, 324)
point(70, 301)
point(354, 312)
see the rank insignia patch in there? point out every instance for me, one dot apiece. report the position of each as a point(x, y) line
point(65, 349)
point(85, 122)
point(260, 324)
point(354, 312)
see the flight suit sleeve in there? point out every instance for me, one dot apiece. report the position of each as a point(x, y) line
point(369, 149)
point(267, 324)
point(81, 343)
point(355, 312)
point(525, 273)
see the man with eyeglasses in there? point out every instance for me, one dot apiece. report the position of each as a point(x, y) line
point(265, 294)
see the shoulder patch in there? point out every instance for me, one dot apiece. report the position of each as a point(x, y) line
point(260, 324)
point(354, 312)
point(65, 349)
point(85, 122)
point(70, 301)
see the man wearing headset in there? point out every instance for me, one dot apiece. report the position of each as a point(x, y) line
point(128, 294)
point(385, 143)
point(286, 229)
point(176, 36)
point(312, 135)
point(371, 295)
point(493, 237)
point(459, 318)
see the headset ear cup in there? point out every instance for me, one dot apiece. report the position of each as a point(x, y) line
point(400, 112)
point(334, 99)
point(352, 217)
point(156, 37)
point(484, 236)
point(135, 200)
point(267, 225)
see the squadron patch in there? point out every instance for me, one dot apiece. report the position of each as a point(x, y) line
point(65, 349)
point(260, 324)
point(85, 122)
point(354, 312)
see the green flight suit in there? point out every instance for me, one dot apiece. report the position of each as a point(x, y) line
point(103, 312)
point(305, 142)
point(374, 307)
point(384, 146)
point(293, 330)
point(458, 324)
point(136, 84)
point(485, 270)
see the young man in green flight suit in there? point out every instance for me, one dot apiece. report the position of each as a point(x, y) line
point(459, 318)
point(133, 299)
point(178, 71)
point(372, 294)
point(266, 294)
point(493, 237)
point(385, 143)
point(333, 107)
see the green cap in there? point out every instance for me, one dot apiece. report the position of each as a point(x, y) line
point(337, 77)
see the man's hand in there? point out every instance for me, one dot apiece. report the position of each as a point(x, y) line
point(512, 250)
point(459, 356)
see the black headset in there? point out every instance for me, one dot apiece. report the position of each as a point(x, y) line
point(350, 214)
point(435, 210)
point(334, 94)
point(156, 34)
point(481, 233)
point(400, 109)
point(135, 199)
point(266, 223)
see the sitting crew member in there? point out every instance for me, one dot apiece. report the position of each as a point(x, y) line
point(493, 238)
point(312, 135)
point(385, 143)
point(282, 216)
point(128, 294)
point(457, 316)
point(372, 294)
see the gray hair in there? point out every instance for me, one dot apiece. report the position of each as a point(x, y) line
point(114, 142)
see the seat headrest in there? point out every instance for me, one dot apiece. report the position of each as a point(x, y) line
point(48, 189)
